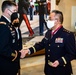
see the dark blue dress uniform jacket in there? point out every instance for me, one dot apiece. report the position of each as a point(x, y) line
point(60, 47)
point(16, 43)
point(7, 50)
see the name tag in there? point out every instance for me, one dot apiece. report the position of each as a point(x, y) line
point(59, 40)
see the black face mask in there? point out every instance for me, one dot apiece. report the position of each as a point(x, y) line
point(16, 24)
point(13, 17)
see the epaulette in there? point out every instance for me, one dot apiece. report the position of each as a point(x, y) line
point(65, 30)
point(3, 23)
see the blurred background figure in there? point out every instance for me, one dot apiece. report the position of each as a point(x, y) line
point(31, 11)
point(49, 6)
point(23, 6)
point(42, 22)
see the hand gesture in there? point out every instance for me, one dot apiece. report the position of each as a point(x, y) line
point(55, 64)
point(23, 53)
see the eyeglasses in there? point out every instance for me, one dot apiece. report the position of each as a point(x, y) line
point(52, 19)
point(10, 10)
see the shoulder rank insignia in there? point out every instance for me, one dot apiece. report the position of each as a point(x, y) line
point(3, 23)
point(66, 30)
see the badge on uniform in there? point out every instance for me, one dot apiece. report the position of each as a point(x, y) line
point(10, 28)
point(13, 41)
point(59, 40)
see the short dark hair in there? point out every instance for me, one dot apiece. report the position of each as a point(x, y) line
point(60, 15)
point(7, 4)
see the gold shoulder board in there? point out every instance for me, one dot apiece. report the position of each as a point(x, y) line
point(3, 23)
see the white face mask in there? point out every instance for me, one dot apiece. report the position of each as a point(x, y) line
point(50, 24)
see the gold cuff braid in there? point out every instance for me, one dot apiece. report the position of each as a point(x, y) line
point(34, 49)
point(64, 60)
point(15, 56)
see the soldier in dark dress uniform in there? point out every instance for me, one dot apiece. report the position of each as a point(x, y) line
point(42, 21)
point(9, 44)
point(59, 45)
point(23, 6)
point(16, 34)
